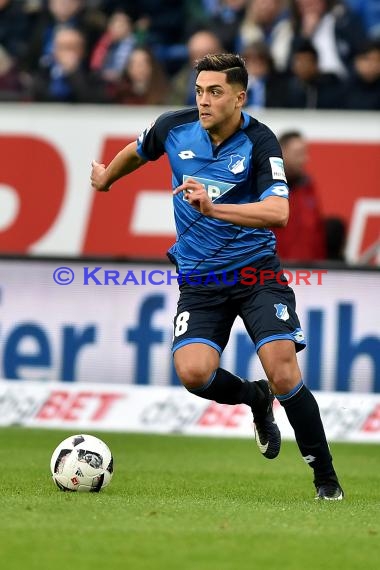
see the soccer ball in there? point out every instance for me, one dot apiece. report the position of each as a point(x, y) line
point(82, 463)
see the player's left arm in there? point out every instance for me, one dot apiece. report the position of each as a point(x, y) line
point(272, 211)
point(126, 161)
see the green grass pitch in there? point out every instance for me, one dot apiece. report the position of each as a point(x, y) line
point(181, 503)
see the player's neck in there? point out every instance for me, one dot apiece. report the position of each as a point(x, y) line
point(223, 132)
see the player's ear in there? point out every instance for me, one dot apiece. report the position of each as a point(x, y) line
point(241, 99)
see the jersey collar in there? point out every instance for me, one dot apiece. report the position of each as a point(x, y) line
point(246, 120)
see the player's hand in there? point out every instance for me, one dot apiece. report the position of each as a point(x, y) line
point(97, 177)
point(196, 194)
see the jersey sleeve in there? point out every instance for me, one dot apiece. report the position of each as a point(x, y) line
point(269, 166)
point(151, 142)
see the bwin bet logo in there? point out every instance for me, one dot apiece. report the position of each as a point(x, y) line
point(236, 164)
point(281, 311)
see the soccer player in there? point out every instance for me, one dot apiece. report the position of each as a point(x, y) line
point(229, 188)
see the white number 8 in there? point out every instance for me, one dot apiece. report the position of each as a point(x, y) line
point(181, 323)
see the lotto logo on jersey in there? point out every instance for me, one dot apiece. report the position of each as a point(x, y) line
point(186, 154)
point(281, 191)
point(277, 165)
point(215, 188)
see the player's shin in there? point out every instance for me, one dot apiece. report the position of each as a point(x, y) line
point(303, 414)
point(226, 388)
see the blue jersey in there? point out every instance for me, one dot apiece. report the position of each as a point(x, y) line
point(246, 167)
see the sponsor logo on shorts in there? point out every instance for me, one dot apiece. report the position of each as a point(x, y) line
point(299, 336)
point(281, 311)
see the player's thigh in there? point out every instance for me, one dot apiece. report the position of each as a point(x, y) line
point(204, 317)
point(269, 314)
point(279, 361)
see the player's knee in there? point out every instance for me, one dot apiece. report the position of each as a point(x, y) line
point(193, 375)
point(283, 377)
point(282, 381)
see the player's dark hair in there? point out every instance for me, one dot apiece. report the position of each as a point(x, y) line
point(289, 135)
point(233, 65)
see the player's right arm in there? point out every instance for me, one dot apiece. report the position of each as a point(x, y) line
point(126, 161)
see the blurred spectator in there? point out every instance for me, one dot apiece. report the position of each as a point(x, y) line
point(164, 22)
point(11, 84)
point(162, 26)
point(108, 7)
point(331, 28)
point(225, 23)
point(335, 32)
point(67, 78)
point(335, 229)
point(182, 86)
point(211, 7)
point(362, 90)
point(199, 13)
point(265, 85)
point(303, 239)
point(144, 81)
point(72, 13)
point(13, 28)
point(114, 47)
point(307, 87)
point(267, 21)
point(369, 12)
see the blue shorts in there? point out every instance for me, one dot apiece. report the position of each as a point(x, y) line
point(207, 308)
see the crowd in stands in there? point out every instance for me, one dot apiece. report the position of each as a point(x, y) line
point(308, 54)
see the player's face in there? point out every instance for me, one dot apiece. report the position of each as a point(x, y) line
point(219, 103)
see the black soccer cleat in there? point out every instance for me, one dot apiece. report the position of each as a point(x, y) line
point(329, 491)
point(267, 434)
